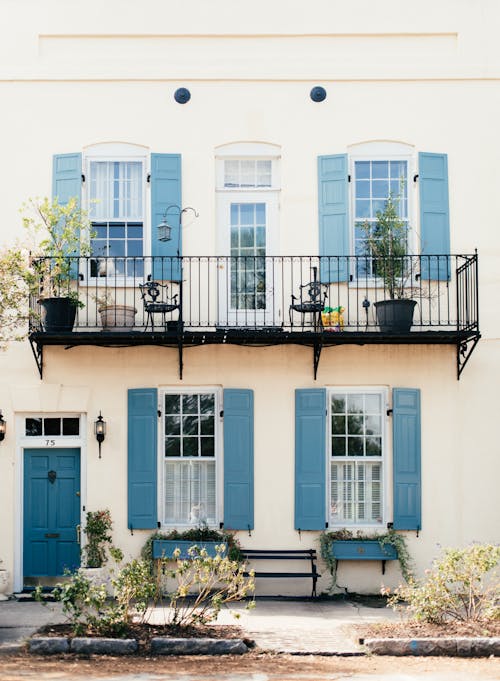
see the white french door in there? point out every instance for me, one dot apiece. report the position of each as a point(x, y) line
point(248, 292)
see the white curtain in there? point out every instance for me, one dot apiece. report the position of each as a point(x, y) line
point(116, 190)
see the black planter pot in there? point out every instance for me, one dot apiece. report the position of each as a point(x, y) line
point(58, 314)
point(395, 316)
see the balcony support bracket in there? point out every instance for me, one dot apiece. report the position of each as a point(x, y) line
point(465, 348)
point(318, 346)
point(180, 348)
point(37, 350)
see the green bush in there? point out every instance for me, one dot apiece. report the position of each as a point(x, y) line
point(83, 602)
point(205, 584)
point(463, 585)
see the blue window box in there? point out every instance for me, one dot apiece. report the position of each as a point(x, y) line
point(164, 548)
point(362, 549)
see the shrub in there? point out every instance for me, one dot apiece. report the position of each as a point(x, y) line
point(205, 584)
point(463, 585)
point(98, 548)
point(82, 602)
point(134, 588)
point(88, 609)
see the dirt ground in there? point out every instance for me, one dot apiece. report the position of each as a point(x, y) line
point(413, 629)
point(24, 666)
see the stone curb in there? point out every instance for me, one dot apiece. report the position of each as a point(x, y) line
point(197, 646)
point(451, 647)
point(104, 646)
point(48, 645)
point(53, 645)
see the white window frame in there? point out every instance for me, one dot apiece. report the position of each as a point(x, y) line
point(218, 458)
point(117, 151)
point(245, 151)
point(386, 459)
point(383, 151)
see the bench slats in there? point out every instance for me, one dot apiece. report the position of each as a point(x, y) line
point(284, 554)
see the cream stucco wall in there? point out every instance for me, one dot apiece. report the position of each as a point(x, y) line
point(72, 76)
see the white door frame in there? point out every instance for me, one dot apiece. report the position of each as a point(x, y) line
point(59, 442)
point(227, 315)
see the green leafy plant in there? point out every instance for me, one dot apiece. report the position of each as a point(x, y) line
point(60, 232)
point(89, 610)
point(462, 585)
point(389, 538)
point(99, 548)
point(82, 602)
point(15, 285)
point(202, 533)
point(387, 246)
point(134, 588)
point(205, 584)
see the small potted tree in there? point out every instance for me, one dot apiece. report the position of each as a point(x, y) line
point(387, 247)
point(98, 548)
point(61, 233)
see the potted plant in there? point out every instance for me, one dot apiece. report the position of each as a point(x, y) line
point(387, 248)
point(98, 548)
point(62, 232)
point(114, 317)
point(342, 544)
point(163, 545)
point(4, 582)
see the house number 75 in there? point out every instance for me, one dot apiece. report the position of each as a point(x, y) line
point(50, 443)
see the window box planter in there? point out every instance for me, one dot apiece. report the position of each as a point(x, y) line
point(164, 548)
point(362, 549)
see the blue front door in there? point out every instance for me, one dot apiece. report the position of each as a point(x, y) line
point(51, 511)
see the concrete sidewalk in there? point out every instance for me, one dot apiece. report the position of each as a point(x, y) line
point(288, 626)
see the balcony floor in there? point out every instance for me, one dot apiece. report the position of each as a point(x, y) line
point(464, 340)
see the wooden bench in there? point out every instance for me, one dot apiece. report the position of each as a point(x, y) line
point(283, 554)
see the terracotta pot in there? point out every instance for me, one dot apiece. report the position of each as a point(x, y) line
point(117, 317)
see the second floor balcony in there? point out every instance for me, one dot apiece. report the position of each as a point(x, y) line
point(307, 300)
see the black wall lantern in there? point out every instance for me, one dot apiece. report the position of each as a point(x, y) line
point(3, 426)
point(100, 431)
point(165, 230)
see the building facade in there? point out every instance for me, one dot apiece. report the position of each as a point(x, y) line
point(267, 144)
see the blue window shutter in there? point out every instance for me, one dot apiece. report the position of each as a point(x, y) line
point(165, 192)
point(434, 216)
point(310, 459)
point(333, 199)
point(142, 458)
point(406, 459)
point(67, 183)
point(238, 459)
point(67, 177)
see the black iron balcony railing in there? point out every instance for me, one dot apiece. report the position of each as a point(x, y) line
point(280, 299)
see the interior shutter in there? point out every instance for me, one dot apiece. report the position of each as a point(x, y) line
point(142, 458)
point(238, 460)
point(434, 216)
point(406, 459)
point(333, 211)
point(310, 459)
point(165, 192)
point(67, 183)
